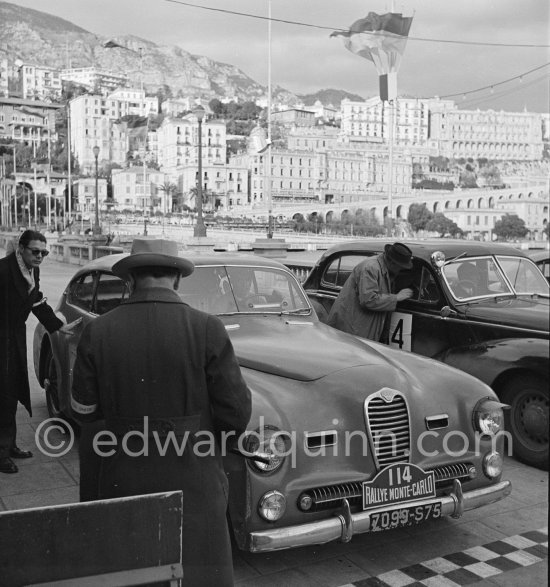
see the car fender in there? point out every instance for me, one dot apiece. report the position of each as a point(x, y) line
point(490, 360)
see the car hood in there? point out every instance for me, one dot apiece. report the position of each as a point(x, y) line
point(521, 312)
point(296, 348)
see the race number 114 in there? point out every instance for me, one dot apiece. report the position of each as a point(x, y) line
point(401, 331)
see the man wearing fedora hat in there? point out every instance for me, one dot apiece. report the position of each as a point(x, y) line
point(366, 300)
point(158, 376)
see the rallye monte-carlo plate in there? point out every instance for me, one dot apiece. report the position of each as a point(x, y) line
point(398, 483)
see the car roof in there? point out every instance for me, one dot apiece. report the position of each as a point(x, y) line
point(197, 257)
point(538, 255)
point(424, 248)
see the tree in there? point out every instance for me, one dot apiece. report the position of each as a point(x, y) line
point(510, 227)
point(419, 216)
point(169, 189)
point(443, 225)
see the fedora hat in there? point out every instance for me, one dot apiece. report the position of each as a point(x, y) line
point(399, 254)
point(153, 252)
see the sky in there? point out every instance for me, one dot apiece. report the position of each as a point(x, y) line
point(304, 59)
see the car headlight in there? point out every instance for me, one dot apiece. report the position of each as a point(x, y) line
point(489, 417)
point(272, 506)
point(269, 443)
point(492, 464)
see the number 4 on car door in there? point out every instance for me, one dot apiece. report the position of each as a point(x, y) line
point(401, 331)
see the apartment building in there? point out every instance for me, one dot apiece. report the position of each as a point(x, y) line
point(369, 121)
point(27, 120)
point(4, 70)
point(493, 135)
point(95, 121)
point(139, 188)
point(83, 193)
point(96, 80)
point(38, 82)
point(177, 143)
point(135, 101)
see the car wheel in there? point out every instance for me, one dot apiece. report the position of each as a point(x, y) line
point(527, 419)
point(51, 386)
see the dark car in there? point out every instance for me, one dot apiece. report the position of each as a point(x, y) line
point(493, 325)
point(345, 436)
point(542, 260)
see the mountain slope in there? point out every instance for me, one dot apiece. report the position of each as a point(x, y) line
point(36, 37)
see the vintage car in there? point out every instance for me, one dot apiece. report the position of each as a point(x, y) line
point(345, 436)
point(542, 260)
point(480, 307)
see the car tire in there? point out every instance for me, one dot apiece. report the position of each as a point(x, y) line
point(527, 419)
point(51, 386)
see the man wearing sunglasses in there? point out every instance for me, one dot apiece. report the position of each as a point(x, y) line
point(19, 295)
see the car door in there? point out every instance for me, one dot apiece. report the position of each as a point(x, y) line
point(96, 293)
point(417, 324)
point(331, 280)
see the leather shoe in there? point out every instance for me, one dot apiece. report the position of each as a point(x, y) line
point(7, 465)
point(17, 453)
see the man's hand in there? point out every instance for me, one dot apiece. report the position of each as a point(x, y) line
point(69, 328)
point(404, 294)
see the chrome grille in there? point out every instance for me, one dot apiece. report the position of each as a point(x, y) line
point(330, 496)
point(388, 427)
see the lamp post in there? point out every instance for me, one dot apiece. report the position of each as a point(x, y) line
point(97, 228)
point(200, 228)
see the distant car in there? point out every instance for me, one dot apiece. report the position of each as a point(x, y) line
point(345, 436)
point(542, 260)
point(495, 325)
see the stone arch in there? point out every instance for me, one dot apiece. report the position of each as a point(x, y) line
point(458, 204)
point(329, 216)
point(480, 203)
point(398, 211)
point(447, 204)
point(435, 207)
point(520, 195)
point(491, 202)
point(470, 203)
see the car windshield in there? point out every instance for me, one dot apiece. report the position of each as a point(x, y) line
point(470, 278)
point(242, 290)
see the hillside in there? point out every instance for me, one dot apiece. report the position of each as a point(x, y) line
point(37, 37)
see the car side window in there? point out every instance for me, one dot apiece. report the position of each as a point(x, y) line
point(111, 290)
point(81, 292)
point(340, 269)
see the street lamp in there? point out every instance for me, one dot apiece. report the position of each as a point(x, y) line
point(97, 228)
point(200, 228)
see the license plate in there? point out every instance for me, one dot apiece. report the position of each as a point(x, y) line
point(404, 517)
point(397, 484)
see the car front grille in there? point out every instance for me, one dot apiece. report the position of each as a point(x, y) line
point(330, 496)
point(387, 419)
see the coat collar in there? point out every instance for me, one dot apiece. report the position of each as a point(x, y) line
point(155, 294)
point(20, 283)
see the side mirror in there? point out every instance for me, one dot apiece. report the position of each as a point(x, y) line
point(446, 312)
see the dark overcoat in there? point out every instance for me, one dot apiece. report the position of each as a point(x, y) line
point(16, 303)
point(154, 356)
point(365, 301)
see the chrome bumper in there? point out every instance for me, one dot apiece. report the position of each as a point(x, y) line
point(343, 526)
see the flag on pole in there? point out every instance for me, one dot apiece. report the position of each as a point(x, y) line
point(380, 38)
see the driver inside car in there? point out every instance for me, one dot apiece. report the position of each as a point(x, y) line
point(468, 281)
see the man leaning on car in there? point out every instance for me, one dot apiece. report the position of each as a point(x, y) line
point(155, 366)
point(365, 302)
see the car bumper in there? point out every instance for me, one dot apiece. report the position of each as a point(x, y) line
point(344, 525)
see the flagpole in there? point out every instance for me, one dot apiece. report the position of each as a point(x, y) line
point(390, 168)
point(268, 153)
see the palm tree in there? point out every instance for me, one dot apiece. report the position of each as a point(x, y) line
point(169, 190)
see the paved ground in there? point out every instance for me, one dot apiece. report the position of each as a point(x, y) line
point(503, 544)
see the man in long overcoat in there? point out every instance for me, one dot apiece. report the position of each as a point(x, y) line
point(19, 296)
point(366, 299)
point(160, 374)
